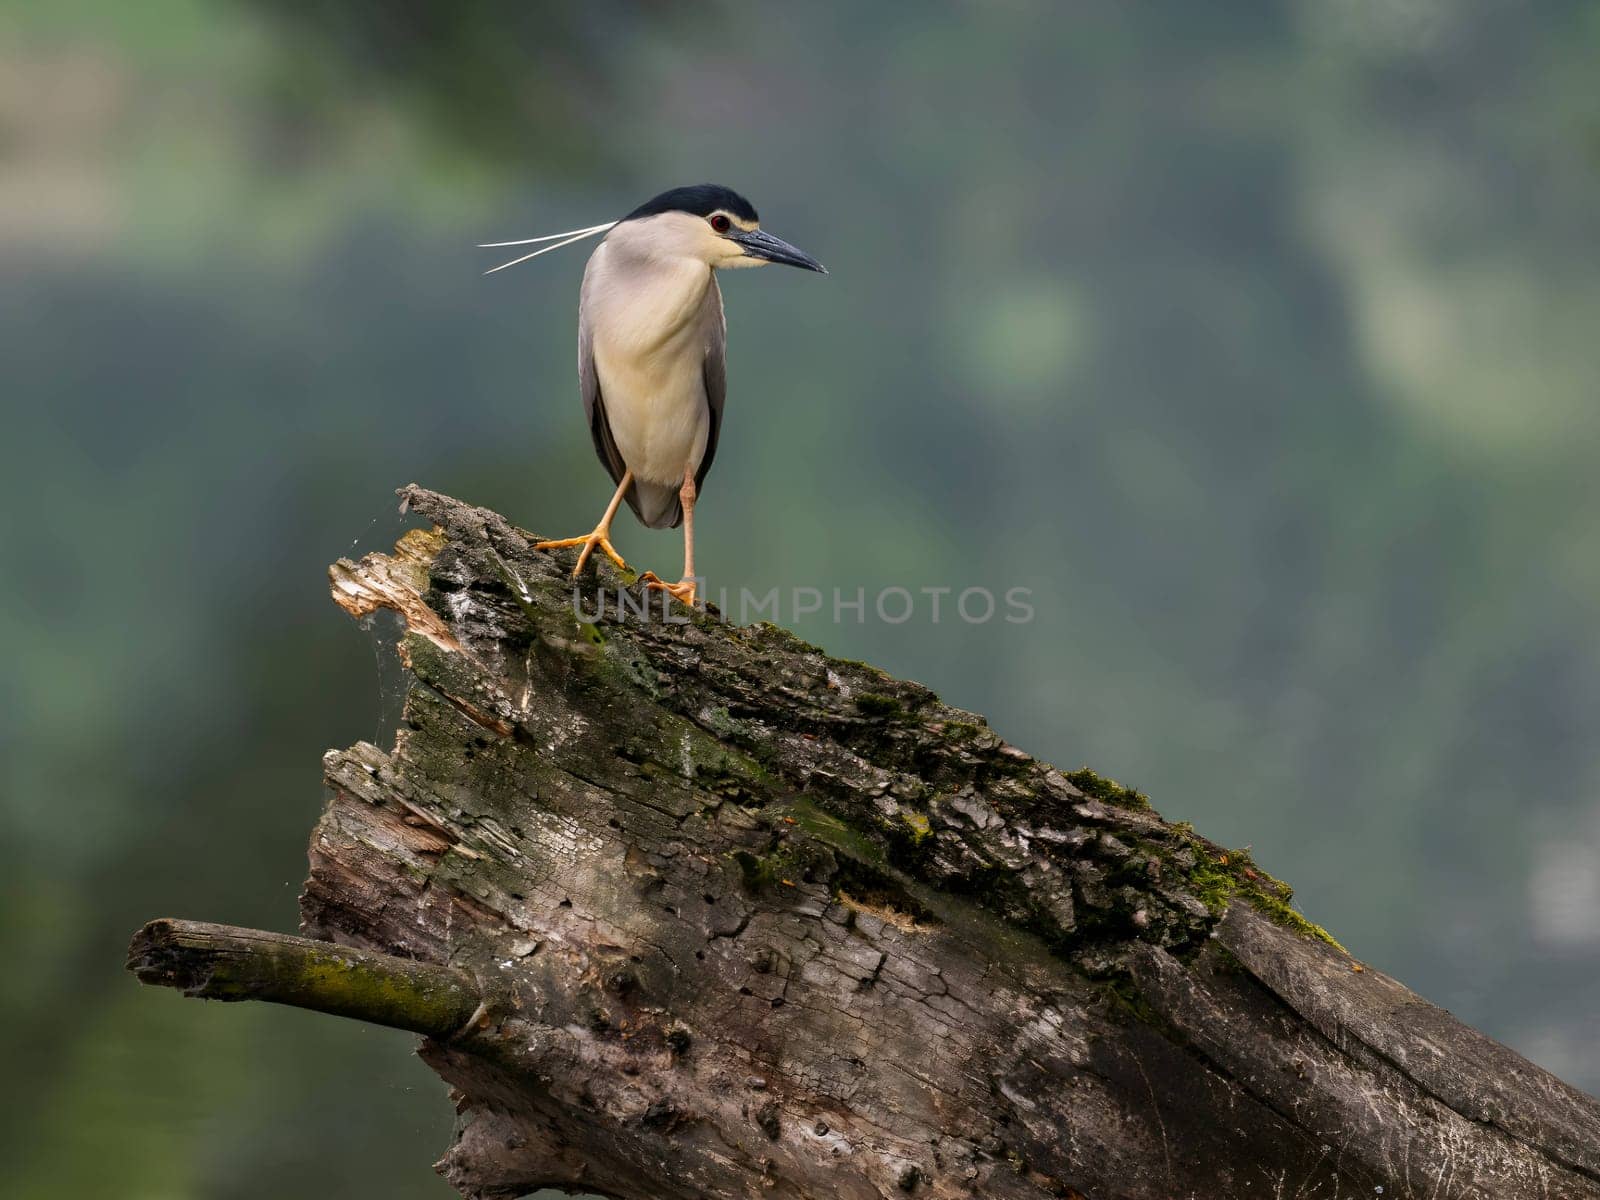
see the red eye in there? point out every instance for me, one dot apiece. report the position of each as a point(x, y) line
point(720, 223)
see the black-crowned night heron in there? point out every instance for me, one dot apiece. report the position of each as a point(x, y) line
point(651, 353)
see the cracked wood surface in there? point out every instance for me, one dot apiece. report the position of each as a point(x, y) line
point(751, 921)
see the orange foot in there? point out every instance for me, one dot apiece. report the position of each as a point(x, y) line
point(683, 591)
point(600, 537)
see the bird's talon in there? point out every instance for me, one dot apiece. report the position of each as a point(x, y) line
point(683, 591)
point(588, 542)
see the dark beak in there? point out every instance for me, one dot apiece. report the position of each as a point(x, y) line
point(763, 245)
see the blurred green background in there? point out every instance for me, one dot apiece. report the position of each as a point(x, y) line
point(1259, 340)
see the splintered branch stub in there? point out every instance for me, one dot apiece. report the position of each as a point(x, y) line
point(226, 962)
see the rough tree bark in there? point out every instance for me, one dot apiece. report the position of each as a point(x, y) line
point(690, 910)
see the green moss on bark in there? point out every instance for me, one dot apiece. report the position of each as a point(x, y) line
point(1108, 791)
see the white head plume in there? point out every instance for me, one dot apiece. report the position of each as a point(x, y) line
point(570, 236)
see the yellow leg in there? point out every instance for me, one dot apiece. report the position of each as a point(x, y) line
point(600, 537)
point(684, 590)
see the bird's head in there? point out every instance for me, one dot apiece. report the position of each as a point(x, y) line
point(710, 224)
point(706, 223)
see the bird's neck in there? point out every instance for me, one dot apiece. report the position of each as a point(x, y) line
point(650, 298)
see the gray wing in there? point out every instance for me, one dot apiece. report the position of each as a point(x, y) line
point(716, 377)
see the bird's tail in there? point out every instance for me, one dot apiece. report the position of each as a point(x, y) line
point(655, 504)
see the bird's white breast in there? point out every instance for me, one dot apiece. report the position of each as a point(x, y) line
point(648, 321)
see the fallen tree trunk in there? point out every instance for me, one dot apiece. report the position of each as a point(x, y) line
point(693, 911)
